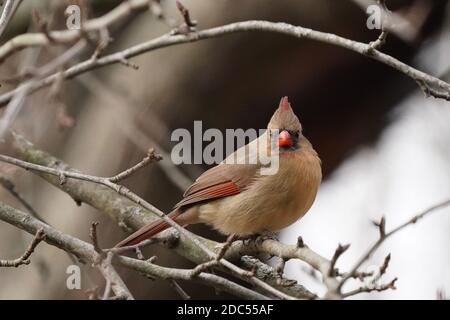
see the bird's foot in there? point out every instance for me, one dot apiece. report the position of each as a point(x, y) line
point(232, 237)
point(258, 238)
point(266, 235)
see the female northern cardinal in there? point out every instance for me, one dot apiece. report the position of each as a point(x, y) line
point(238, 199)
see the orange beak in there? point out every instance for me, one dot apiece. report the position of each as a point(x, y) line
point(285, 140)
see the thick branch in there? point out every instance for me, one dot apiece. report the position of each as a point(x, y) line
point(275, 248)
point(81, 249)
point(86, 251)
point(273, 277)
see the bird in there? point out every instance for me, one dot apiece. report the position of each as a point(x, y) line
point(237, 199)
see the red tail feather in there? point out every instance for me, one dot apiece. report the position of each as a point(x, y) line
point(147, 231)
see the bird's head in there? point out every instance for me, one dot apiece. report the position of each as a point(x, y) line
point(286, 122)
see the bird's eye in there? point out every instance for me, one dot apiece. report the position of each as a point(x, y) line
point(295, 133)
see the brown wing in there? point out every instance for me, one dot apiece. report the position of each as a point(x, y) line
point(221, 181)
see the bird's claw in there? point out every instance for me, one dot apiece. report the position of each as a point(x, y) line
point(266, 235)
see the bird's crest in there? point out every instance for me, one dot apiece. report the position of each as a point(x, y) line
point(284, 117)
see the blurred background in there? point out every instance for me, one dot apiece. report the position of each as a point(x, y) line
point(384, 146)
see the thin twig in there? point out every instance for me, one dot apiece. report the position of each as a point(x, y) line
point(183, 294)
point(431, 92)
point(15, 105)
point(378, 288)
point(151, 157)
point(107, 291)
point(188, 24)
point(108, 271)
point(93, 236)
point(24, 258)
point(385, 235)
point(108, 262)
point(377, 44)
point(216, 260)
point(339, 251)
point(11, 188)
point(103, 42)
point(89, 27)
point(186, 15)
point(247, 26)
point(382, 269)
point(127, 63)
point(133, 247)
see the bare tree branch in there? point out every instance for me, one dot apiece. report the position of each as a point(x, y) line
point(86, 252)
point(70, 36)
point(339, 251)
point(8, 12)
point(435, 87)
point(179, 290)
point(274, 278)
point(188, 25)
point(152, 156)
point(112, 277)
point(385, 235)
point(11, 188)
point(93, 236)
point(287, 252)
point(24, 258)
point(378, 288)
point(14, 106)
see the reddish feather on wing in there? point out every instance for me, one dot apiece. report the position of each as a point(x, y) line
point(221, 181)
point(217, 191)
point(147, 231)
